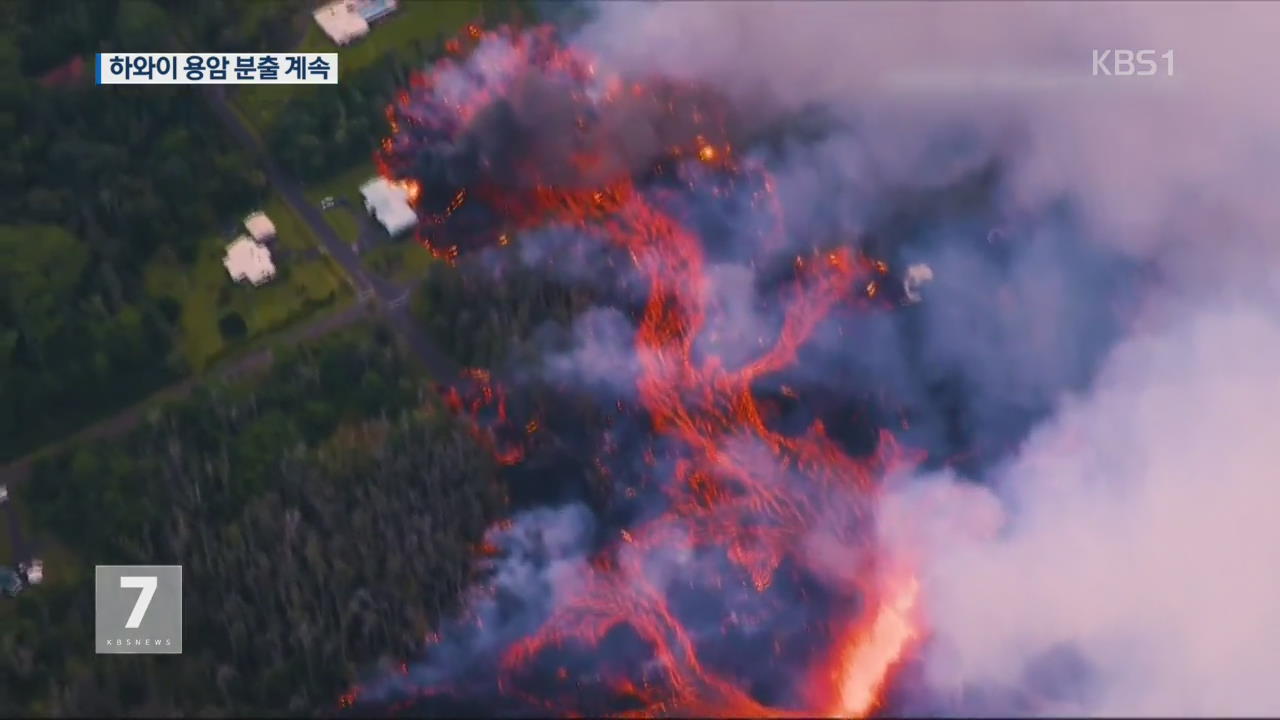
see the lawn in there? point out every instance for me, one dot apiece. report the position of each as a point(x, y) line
point(291, 231)
point(415, 20)
point(303, 283)
point(401, 259)
point(344, 185)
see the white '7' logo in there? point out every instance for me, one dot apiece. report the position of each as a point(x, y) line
point(147, 583)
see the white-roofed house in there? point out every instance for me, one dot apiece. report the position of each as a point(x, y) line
point(247, 261)
point(347, 20)
point(388, 203)
point(260, 227)
point(340, 21)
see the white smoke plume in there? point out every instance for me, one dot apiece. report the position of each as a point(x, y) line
point(1132, 530)
point(1137, 530)
point(1151, 158)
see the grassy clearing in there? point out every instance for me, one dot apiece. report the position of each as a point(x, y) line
point(402, 259)
point(416, 20)
point(344, 185)
point(291, 231)
point(299, 288)
point(206, 293)
point(347, 227)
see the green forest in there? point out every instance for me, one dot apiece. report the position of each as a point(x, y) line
point(325, 517)
point(100, 181)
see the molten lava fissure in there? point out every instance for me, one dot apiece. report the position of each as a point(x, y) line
point(734, 492)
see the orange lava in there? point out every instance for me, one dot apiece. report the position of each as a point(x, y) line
point(738, 487)
point(870, 651)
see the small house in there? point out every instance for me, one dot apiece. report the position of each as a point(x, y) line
point(388, 203)
point(260, 227)
point(247, 261)
point(346, 21)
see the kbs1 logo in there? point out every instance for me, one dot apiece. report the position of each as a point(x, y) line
point(138, 609)
point(1131, 63)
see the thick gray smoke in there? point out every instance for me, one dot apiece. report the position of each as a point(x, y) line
point(1150, 158)
point(534, 132)
point(1130, 534)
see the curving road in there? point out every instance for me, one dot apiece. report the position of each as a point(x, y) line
point(392, 300)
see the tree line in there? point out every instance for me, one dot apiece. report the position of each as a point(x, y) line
point(325, 517)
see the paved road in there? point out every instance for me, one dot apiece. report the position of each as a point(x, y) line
point(129, 418)
point(392, 299)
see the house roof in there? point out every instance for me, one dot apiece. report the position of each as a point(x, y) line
point(341, 21)
point(372, 10)
point(389, 204)
point(68, 73)
point(260, 226)
point(248, 261)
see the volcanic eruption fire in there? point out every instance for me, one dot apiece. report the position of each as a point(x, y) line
point(513, 132)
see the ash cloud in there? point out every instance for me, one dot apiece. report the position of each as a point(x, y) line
point(530, 129)
point(1120, 559)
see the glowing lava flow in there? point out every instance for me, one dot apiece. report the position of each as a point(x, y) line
point(738, 488)
point(720, 499)
point(871, 651)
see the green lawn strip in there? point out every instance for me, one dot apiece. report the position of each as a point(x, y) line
point(415, 20)
point(296, 289)
point(399, 260)
point(343, 185)
point(291, 231)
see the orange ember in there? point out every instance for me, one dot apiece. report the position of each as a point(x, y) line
point(411, 188)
